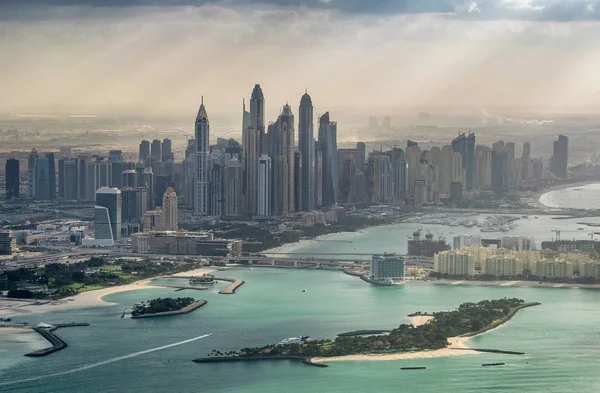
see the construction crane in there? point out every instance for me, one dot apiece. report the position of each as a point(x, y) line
point(591, 235)
point(557, 231)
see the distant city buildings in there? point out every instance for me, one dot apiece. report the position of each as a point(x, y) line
point(107, 218)
point(12, 183)
point(7, 243)
point(560, 157)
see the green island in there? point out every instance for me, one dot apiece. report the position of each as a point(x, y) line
point(58, 280)
point(467, 320)
point(166, 306)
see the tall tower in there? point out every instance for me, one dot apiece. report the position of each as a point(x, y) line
point(257, 116)
point(202, 131)
point(144, 150)
point(328, 142)
point(264, 186)
point(233, 188)
point(306, 146)
point(31, 173)
point(167, 152)
point(12, 178)
point(169, 210)
point(108, 214)
point(560, 157)
point(285, 125)
point(526, 161)
point(465, 145)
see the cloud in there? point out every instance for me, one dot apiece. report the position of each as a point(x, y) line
point(534, 10)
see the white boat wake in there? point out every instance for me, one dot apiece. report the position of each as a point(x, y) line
point(102, 363)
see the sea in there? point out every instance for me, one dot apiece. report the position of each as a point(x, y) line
point(561, 337)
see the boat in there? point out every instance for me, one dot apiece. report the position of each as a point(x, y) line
point(580, 229)
point(304, 290)
point(493, 364)
point(413, 368)
point(203, 279)
point(578, 189)
point(535, 216)
point(294, 340)
point(525, 217)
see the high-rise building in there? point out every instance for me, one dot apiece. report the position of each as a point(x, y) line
point(387, 267)
point(61, 177)
point(51, 176)
point(246, 119)
point(216, 186)
point(318, 174)
point(306, 147)
point(257, 116)
point(108, 214)
point(11, 170)
point(387, 123)
point(251, 150)
point(413, 159)
point(373, 122)
point(134, 203)
point(526, 161)
point(155, 150)
point(264, 186)
point(560, 157)
point(70, 180)
point(283, 169)
point(167, 152)
point(499, 168)
point(328, 142)
point(298, 191)
point(483, 167)
point(170, 212)
point(382, 178)
point(42, 179)
point(233, 179)
point(33, 156)
point(511, 166)
point(202, 133)
point(144, 150)
point(465, 145)
point(115, 156)
point(7, 243)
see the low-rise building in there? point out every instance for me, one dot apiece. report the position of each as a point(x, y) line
point(184, 243)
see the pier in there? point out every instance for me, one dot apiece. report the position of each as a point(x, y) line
point(187, 309)
point(57, 343)
point(230, 289)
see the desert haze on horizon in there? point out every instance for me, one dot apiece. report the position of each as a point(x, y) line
point(144, 56)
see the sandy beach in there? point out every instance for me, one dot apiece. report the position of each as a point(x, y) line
point(515, 284)
point(457, 347)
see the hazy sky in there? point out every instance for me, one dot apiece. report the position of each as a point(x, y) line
point(160, 56)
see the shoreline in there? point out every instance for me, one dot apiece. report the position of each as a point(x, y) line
point(85, 299)
point(457, 345)
point(512, 283)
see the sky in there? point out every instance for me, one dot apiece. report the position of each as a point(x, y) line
point(372, 56)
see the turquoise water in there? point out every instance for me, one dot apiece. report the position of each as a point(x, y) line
point(561, 338)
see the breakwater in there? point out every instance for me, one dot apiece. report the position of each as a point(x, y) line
point(227, 359)
point(194, 306)
point(57, 343)
point(230, 289)
point(182, 287)
point(491, 351)
point(363, 333)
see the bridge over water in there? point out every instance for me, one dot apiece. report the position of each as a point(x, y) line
point(321, 260)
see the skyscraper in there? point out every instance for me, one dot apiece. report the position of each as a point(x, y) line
point(31, 173)
point(51, 176)
point(328, 142)
point(42, 179)
point(134, 204)
point(70, 180)
point(483, 167)
point(155, 150)
point(499, 167)
point(11, 170)
point(167, 152)
point(306, 147)
point(465, 145)
point(202, 133)
point(298, 190)
point(169, 209)
point(233, 188)
point(318, 174)
point(526, 161)
point(108, 214)
point(144, 150)
point(251, 146)
point(382, 178)
point(285, 164)
point(257, 116)
point(264, 186)
point(560, 157)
